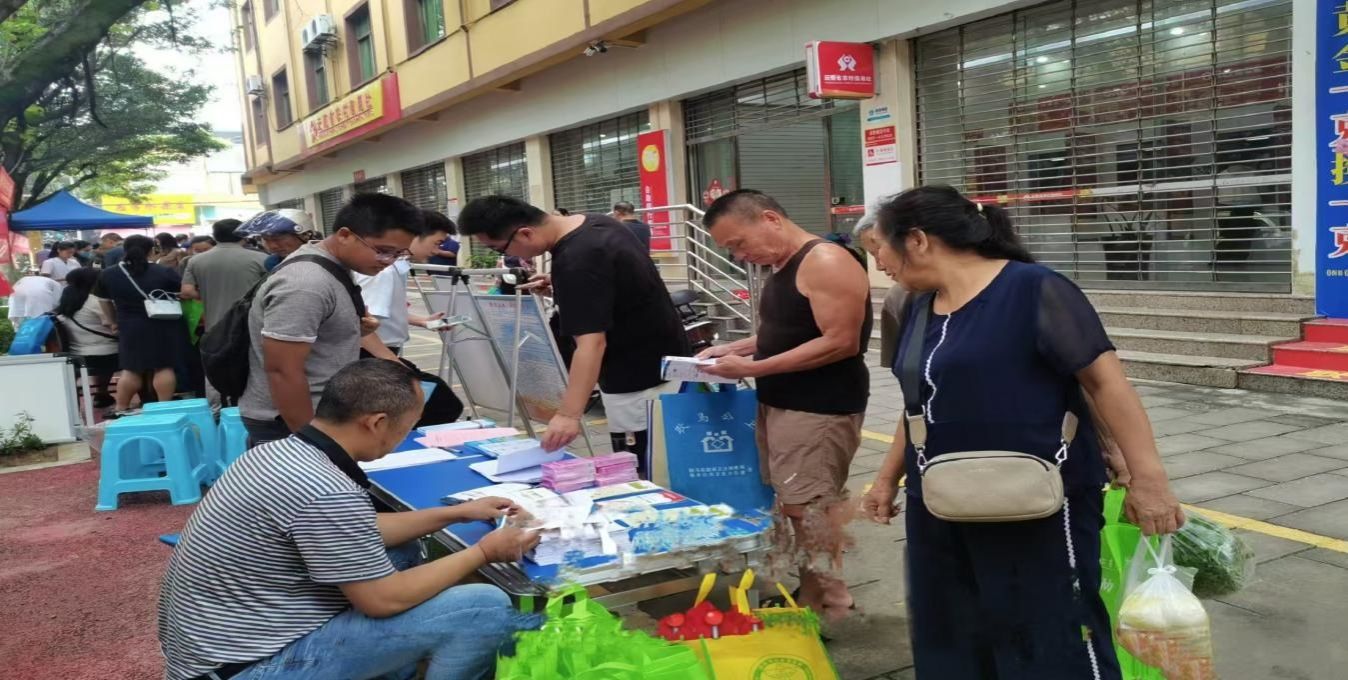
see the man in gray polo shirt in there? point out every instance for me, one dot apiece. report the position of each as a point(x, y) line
point(222, 275)
point(307, 319)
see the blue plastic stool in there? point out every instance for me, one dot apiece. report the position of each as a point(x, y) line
point(127, 439)
point(233, 435)
point(198, 412)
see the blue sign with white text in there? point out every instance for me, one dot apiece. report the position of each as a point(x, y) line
point(1331, 119)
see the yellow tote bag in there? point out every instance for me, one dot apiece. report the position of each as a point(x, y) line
point(788, 647)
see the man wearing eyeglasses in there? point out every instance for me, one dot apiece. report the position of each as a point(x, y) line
point(612, 301)
point(308, 317)
point(385, 293)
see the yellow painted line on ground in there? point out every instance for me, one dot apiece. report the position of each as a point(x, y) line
point(1238, 522)
point(886, 438)
point(1222, 518)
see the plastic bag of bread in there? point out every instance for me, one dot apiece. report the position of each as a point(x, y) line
point(1161, 622)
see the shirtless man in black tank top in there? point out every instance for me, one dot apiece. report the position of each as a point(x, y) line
point(807, 360)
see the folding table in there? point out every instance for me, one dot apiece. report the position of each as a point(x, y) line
point(422, 486)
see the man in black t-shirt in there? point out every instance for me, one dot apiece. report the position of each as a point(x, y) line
point(627, 214)
point(612, 301)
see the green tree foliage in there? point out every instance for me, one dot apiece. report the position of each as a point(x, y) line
point(110, 123)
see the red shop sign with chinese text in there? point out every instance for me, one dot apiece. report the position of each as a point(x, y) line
point(840, 70)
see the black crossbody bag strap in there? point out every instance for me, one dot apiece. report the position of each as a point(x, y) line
point(910, 362)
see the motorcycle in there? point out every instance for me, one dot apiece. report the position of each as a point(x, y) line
point(700, 330)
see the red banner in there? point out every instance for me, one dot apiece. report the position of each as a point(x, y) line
point(656, 183)
point(6, 202)
point(840, 70)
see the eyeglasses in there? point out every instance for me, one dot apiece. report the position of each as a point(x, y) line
point(383, 254)
point(506, 246)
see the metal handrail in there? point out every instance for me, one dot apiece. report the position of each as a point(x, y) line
point(706, 267)
point(730, 263)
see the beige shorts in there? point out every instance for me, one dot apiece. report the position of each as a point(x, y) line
point(806, 456)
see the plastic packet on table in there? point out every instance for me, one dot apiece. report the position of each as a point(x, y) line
point(1222, 562)
point(1161, 622)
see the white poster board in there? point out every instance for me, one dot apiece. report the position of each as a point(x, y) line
point(541, 378)
point(47, 395)
point(473, 360)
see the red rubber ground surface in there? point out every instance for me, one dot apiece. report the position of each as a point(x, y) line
point(78, 588)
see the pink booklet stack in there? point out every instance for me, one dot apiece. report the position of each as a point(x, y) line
point(615, 468)
point(569, 474)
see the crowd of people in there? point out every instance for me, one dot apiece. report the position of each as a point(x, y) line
point(288, 569)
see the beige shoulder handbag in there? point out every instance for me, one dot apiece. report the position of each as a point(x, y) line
point(977, 486)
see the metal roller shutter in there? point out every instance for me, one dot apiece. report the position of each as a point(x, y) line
point(374, 185)
point(787, 162)
point(595, 166)
point(503, 171)
point(329, 202)
point(425, 187)
point(753, 105)
point(292, 204)
point(1141, 144)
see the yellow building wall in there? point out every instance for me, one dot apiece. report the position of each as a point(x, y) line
point(603, 10)
point(521, 28)
point(443, 66)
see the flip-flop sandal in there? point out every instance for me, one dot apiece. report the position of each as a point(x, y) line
point(778, 600)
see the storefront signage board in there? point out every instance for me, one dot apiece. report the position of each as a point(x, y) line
point(840, 70)
point(367, 108)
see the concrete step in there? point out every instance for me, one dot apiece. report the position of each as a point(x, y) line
point(1191, 370)
point(1276, 324)
point(1210, 302)
point(1222, 345)
point(1306, 382)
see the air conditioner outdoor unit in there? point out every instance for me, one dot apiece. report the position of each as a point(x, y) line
point(318, 33)
point(254, 86)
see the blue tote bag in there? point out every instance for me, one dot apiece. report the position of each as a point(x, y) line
point(710, 447)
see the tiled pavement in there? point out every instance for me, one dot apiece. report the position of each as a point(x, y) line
point(1275, 458)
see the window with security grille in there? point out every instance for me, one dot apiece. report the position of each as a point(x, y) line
point(292, 204)
point(753, 105)
point(595, 165)
point(329, 202)
point(373, 185)
point(502, 171)
point(425, 187)
point(1139, 144)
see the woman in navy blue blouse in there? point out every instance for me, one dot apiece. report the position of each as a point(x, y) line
point(1008, 347)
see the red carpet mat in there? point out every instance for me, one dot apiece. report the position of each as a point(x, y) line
point(78, 588)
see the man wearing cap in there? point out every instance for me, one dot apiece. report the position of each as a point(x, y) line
point(283, 232)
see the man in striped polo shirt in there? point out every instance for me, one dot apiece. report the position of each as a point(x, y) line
point(285, 570)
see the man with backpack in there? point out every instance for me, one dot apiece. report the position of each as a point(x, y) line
point(306, 320)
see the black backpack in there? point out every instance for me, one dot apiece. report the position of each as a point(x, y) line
point(226, 346)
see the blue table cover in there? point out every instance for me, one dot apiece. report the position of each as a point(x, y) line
point(422, 486)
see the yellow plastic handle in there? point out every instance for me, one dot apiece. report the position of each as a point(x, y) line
point(787, 595)
point(747, 580)
point(708, 582)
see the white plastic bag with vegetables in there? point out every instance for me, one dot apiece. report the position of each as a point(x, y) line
point(1161, 622)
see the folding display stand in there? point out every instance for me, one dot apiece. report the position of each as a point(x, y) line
point(470, 325)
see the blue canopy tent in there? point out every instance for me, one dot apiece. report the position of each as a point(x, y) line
point(65, 212)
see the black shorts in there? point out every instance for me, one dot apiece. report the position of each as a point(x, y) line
point(101, 365)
